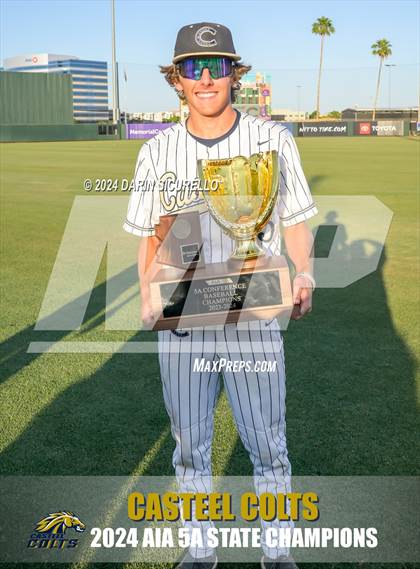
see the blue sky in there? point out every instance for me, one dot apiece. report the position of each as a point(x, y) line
point(272, 36)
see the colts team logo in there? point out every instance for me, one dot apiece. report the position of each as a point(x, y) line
point(205, 42)
point(176, 194)
point(50, 532)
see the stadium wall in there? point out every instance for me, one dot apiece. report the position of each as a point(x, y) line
point(35, 98)
point(37, 107)
point(51, 133)
point(307, 128)
point(353, 128)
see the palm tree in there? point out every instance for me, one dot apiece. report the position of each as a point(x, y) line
point(383, 49)
point(322, 27)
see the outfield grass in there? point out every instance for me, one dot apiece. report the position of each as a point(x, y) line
point(352, 404)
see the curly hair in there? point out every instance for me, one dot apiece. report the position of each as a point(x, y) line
point(172, 75)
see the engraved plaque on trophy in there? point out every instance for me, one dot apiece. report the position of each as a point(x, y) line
point(180, 240)
point(240, 194)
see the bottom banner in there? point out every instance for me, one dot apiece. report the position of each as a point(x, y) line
point(154, 519)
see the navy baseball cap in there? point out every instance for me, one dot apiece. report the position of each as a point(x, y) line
point(205, 38)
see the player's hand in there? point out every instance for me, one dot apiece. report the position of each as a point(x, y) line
point(302, 297)
point(147, 315)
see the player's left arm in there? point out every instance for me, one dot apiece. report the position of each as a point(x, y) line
point(296, 205)
point(299, 240)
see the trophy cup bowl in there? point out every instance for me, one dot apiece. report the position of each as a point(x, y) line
point(240, 194)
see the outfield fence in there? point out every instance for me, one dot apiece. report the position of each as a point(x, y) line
point(60, 132)
point(309, 128)
point(132, 131)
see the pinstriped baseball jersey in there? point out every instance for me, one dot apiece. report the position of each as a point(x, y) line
point(166, 181)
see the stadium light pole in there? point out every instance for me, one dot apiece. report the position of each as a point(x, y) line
point(389, 65)
point(115, 94)
point(125, 98)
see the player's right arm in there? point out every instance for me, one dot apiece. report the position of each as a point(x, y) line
point(142, 217)
point(147, 249)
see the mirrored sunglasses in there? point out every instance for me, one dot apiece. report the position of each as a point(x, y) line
point(192, 67)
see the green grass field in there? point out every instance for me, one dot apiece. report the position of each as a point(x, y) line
point(352, 406)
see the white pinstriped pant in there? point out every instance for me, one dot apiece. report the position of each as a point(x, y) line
point(257, 401)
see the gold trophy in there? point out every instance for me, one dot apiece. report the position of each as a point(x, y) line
point(240, 194)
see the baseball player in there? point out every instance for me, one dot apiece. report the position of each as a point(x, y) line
point(205, 73)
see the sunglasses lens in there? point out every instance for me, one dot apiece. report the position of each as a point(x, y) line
point(189, 69)
point(222, 66)
point(192, 68)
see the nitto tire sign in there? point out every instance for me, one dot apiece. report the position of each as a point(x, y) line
point(322, 129)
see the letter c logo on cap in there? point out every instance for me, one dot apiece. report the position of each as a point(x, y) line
point(203, 42)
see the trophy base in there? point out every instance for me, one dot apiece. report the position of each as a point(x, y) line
point(221, 293)
point(246, 250)
point(235, 263)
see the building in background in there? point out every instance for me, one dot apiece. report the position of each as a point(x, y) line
point(288, 115)
point(359, 114)
point(90, 80)
point(183, 111)
point(159, 116)
point(254, 96)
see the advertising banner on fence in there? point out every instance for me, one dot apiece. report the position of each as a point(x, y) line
point(379, 128)
point(390, 128)
point(325, 128)
point(364, 128)
point(146, 130)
